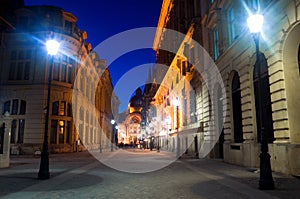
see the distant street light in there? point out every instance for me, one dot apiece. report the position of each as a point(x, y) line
point(255, 23)
point(52, 49)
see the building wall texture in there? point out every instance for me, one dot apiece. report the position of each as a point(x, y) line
point(221, 28)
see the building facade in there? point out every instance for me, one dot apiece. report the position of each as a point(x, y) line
point(24, 74)
point(221, 28)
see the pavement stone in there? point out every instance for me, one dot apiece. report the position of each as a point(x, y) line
point(79, 175)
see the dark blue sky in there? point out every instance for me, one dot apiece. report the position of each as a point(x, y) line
point(102, 19)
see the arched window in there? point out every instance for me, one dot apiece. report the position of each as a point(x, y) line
point(265, 97)
point(81, 114)
point(237, 109)
point(299, 58)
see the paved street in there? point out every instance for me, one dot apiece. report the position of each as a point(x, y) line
point(80, 175)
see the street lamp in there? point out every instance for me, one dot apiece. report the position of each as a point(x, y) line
point(255, 23)
point(112, 134)
point(52, 49)
point(176, 103)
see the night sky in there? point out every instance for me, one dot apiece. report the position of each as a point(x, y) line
point(102, 19)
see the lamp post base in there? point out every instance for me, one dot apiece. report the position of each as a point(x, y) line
point(266, 180)
point(44, 173)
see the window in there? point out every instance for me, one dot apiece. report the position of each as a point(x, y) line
point(23, 21)
point(20, 62)
point(2, 129)
point(63, 69)
point(23, 107)
point(55, 72)
point(231, 24)
point(18, 107)
point(18, 125)
point(87, 118)
point(215, 44)
point(299, 58)
point(59, 108)
point(87, 89)
point(62, 108)
point(21, 131)
point(81, 86)
point(69, 110)
point(68, 27)
point(255, 5)
point(193, 108)
point(68, 132)
point(237, 109)
point(6, 107)
point(61, 131)
point(81, 114)
point(55, 107)
point(13, 137)
point(17, 131)
point(15, 107)
point(70, 73)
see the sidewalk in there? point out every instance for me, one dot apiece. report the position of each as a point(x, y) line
point(79, 175)
point(286, 186)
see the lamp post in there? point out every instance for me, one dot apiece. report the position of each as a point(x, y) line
point(168, 122)
point(266, 182)
point(52, 49)
point(112, 134)
point(116, 140)
point(176, 103)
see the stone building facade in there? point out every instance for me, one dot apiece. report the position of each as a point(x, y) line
point(221, 28)
point(24, 70)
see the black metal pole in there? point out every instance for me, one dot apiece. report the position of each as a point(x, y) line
point(158, 149)
point(266, 181)
point(101, 126)
point(177, 126)
point(44, 164)
point(112, 138)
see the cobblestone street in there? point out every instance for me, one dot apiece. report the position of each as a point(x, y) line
point(79, 175)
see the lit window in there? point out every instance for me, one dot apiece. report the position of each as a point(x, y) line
point(62, 108)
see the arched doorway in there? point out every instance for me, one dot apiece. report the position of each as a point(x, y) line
point(237, 109)
point(291, 71)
